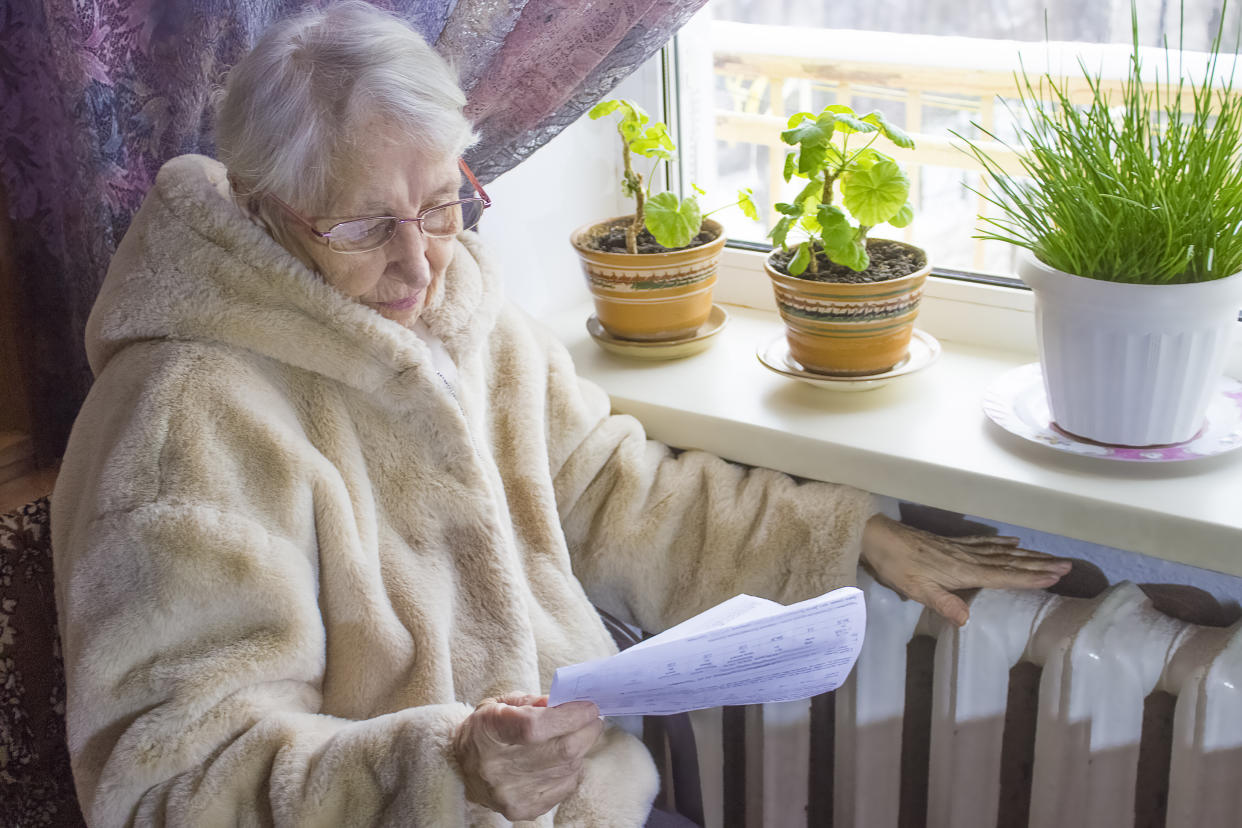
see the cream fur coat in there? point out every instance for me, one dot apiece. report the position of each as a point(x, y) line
point(289, 560)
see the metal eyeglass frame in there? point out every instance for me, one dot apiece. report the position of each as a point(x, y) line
point(326, 236)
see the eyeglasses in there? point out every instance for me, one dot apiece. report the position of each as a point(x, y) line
point(362, 235)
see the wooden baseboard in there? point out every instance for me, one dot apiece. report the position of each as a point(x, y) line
point(16, 455)
point(17, 493)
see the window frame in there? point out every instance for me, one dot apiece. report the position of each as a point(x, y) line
point(675, 175)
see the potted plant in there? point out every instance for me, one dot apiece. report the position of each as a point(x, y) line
point(651, 273)
point(1130, 223)
point(848, 301)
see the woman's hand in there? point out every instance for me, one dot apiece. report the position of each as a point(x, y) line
point(521, 757)
point(927, 567)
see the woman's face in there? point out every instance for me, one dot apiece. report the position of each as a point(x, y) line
point(396, 280)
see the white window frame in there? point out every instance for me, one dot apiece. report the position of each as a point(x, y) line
point(972, 308)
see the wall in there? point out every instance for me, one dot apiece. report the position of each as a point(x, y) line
point(570, 181)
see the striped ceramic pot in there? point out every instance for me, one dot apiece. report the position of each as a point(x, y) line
point(650, 297)
point(845, 328)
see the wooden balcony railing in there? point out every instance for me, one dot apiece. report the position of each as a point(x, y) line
point(763, 74)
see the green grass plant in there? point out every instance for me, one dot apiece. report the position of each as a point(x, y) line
point(1135, 190)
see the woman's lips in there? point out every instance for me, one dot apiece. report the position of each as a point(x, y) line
point(403, 304)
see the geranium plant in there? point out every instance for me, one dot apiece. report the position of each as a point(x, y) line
point(873, 187)
point(673, 222)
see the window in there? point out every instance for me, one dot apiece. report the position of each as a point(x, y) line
point(934, 67)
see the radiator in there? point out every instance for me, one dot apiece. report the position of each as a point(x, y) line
point(1044, 711)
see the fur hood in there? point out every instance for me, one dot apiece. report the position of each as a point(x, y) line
point(290, 559)
point(234, 285)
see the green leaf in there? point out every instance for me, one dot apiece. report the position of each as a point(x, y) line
point(836, 231)
point(814, 189)
point(813, 158)
point(603, 108)
point(814, 134)
point(892, 133)
point(674, 222)
point(787, 209)
point(797, 266)
point(798, 117)
point(654, 142)
point(844, 119)
point(876, 194)
point(853, 255)
point(633, 119)
point(904, 216)
point(746, 203)
point(843, 242)
point(866, 158)
point(781, 231)
point(697, 189)
point(791, 164)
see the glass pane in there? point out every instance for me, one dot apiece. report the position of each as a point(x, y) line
point(360, 235)
point(932, 67)
point(443, 221)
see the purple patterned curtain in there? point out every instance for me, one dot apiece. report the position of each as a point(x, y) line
point(95, 95)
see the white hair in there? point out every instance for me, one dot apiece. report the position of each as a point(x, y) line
point(290, 119)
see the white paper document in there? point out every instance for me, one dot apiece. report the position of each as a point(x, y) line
point(745, 651)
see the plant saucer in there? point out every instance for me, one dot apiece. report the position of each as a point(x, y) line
point(686, 346)
point(1017, 402)
point(775, 356)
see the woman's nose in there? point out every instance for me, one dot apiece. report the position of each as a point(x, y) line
point(408, 250)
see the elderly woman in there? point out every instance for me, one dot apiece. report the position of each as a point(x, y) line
point(334, 511)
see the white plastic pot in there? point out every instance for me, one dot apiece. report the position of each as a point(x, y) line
point(1132, 365)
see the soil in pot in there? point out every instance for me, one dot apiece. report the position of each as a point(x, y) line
point(614, 241)
point(889, 260)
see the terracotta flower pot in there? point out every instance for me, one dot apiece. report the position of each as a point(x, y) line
point(650, 296)
point(846, 328)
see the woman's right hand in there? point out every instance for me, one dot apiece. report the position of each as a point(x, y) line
point(521, 757)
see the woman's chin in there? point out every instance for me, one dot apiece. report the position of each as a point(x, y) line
point(405, 317)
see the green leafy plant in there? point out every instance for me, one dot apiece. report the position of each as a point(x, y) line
point(874, 189)
point(673, 221)
point(1133, 190)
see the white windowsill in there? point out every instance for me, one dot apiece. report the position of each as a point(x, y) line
point(924, 437)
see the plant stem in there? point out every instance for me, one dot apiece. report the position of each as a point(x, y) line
point(635, 182)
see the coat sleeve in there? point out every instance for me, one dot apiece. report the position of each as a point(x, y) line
point(658, 535)
point(194, 658)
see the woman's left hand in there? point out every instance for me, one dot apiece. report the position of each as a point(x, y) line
point(927, 567)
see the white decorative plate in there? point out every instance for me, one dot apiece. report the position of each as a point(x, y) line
point(1017, 402)
point(699, 341)
point(775, 356)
